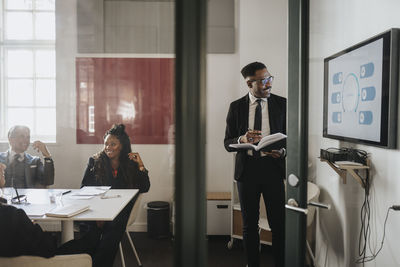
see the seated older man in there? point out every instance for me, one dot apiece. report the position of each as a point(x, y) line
point(22, 169)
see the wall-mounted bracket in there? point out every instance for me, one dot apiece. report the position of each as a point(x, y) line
point(343, 169)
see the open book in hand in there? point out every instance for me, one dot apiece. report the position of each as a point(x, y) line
point(265, 141)
point(67, 211)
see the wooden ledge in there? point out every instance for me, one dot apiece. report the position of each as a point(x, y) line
point(342, 170)
point(218, 195)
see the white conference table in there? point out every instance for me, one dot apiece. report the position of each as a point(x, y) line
point(100, 209)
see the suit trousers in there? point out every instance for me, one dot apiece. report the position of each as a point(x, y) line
point(112, 233)
point(87, 244)
point(260, 176)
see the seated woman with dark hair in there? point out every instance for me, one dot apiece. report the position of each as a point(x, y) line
point(118, 167)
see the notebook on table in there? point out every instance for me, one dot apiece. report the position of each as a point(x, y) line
point(67, 211)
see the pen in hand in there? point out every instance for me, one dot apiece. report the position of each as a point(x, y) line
point(253, 136)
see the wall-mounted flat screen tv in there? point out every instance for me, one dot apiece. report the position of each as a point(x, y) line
point(360, 92)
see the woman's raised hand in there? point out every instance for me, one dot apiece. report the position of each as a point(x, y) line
point(136, 158)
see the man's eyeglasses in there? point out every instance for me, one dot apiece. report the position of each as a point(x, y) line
point(264, 81)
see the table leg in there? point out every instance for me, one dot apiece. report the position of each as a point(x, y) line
point(67, 231)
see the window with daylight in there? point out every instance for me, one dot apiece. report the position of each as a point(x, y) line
point(28, 68)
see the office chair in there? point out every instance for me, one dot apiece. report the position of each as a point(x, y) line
point(131, 220)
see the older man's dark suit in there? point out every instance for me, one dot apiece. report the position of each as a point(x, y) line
point(37, 175)
point(258, 176)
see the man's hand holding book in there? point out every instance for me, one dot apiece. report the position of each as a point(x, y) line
point(251, 136)
point(262, 143)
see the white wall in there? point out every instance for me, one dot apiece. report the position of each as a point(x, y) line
point(261, 34)
point(335, 25)
point(263, 37)
point(222, 89)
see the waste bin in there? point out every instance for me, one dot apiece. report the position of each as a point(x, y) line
point(158, 219)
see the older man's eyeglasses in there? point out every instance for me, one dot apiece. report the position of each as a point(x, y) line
point(264, 81)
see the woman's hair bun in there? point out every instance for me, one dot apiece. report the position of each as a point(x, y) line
point(117, 129)
point(120, 127)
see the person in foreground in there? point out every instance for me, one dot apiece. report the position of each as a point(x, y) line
point(118, 167)
point(22, 169)
point(20, 236)
point(259, 113)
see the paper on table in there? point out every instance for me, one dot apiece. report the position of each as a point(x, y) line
point(265, 141)
point(92, 190)
point(35, 210)
point(79, 197)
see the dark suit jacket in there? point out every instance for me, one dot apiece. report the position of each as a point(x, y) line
point(36, 175)
point(95, 176)
point(237, 123)
point(19, 236)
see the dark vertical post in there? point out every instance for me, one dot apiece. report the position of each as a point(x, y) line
point(190, 103)
point(297, 130)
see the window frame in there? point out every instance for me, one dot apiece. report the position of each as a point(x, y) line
point(29, 45)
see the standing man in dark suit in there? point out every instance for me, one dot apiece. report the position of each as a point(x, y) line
point(259, 113)
point(24, 170)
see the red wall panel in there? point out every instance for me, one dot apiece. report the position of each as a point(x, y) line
point(137, 92)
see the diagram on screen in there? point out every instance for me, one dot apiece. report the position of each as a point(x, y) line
point(355, 85)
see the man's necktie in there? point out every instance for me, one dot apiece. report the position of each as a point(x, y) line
point(16, 158)
point(257, 123)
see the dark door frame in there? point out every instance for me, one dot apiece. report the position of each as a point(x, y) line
point(297, 141)
point(190, 117)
